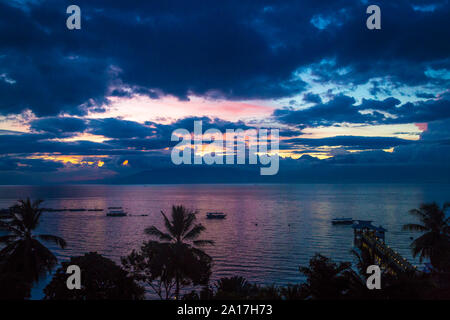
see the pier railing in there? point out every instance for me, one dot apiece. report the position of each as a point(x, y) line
point(387, 255)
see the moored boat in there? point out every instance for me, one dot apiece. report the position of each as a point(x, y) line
point(342, 221)
point(215, 215)
point(116, 212)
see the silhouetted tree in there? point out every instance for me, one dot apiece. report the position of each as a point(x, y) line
point(205, 293)
point(238, 288)
point(101, 279)
point(293, 292)
point(23, 254)
point(13, 286)
point(326, 279)
point(153, 265)
point(435, 242)
point(175, 260)
point(164, 265)
point(233, 288)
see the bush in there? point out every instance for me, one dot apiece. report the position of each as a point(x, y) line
point(101, 279)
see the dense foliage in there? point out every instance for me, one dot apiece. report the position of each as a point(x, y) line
point(101, 279)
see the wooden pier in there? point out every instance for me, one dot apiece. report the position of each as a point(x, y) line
point(371, 238)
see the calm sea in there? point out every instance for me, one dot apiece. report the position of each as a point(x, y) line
point(270, 229)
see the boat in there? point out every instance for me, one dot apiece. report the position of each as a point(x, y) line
point(116, 212)
point(342, 221)
point(215, 215)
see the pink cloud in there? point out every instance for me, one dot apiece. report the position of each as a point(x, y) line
point(422, 126)
point(142, 108)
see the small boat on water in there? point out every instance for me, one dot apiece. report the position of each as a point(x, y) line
point(342, 221)
point(215, 215)
point(116, 212)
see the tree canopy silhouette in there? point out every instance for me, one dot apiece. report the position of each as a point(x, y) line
point(101, 279)
point(175, 260)
point(23, 254)
point(326, 279)
point(435, 241)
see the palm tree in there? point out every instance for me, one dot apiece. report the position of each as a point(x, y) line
point(233, 288)
point(325, 279)
point(23, 253)
point(182, 232)
point(435, 242)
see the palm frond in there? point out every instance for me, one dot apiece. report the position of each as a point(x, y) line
point(6, 251)
point(36, 218)
point(446, 206)
point(10, 226)
point(179, 214)
point(8, 238)
point(418, 213)
point(195, 232)
point(200, 253)
point(155, 232)
point(188, 221)
point(423, 245)
point(414, 227)
point(168, 225)
point(203, 242)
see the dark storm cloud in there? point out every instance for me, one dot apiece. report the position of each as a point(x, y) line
point(354, 142)
point(312, 98)
point(29, 165)
point(409, 159)
point(343, 109)
point(340, 109)
point(423, 111)
point(39, 165)
point(425, 95)
point(125, 129)
point(7, 164)
point(290, 132)
point(26, 144)
point(208, 123)
point(123, 137)
point(141, 144)
point(109, 127)
point(61, 127)
point(234, 49)
point(117, 128)
point(388, 104)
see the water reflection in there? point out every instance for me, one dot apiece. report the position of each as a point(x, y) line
point(269, 231)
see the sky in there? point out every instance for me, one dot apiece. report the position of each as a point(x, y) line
point(99, 104)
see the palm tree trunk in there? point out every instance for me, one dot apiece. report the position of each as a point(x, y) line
point(177, 289)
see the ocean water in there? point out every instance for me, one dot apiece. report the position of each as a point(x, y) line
point(270, 229)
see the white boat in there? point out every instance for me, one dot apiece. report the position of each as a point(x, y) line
point(215, 215)
point(116, 212)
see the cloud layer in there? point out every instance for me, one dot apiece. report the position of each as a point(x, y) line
point(314, 63)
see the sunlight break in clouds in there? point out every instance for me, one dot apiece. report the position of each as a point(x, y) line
point(142, 108)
